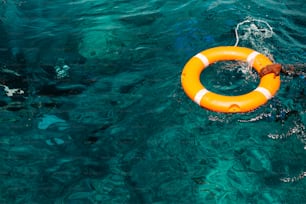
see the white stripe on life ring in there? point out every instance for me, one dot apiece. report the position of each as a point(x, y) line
point(203, 59)
point(251, 57)
point(198, 97)
point(265, 92)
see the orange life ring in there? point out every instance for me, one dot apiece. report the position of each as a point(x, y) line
point(190, 78)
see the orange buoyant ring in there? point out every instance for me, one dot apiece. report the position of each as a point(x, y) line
point(190, 78)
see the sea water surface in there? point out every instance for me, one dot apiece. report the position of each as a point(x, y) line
point(92, 109)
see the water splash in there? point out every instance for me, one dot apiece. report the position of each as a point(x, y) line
point(298, 129)
point(294, 178)
point(254, 30)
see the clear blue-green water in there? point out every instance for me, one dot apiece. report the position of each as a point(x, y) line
point(99, 116)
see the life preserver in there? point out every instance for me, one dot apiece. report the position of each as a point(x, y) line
point(190, 78)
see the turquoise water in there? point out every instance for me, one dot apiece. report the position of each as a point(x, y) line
point(92, 109)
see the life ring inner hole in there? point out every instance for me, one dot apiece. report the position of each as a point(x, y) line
point(230, 78)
